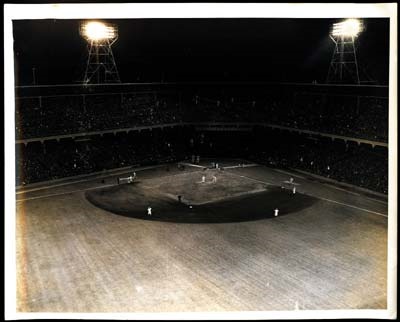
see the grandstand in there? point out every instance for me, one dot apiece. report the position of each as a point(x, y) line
point(327, 114)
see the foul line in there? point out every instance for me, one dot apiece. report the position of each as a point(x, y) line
point(238, 175)
point(221, 167)
point(192, 165)
point(65, 193)
point(241, 166)
point(54, 186)
point(321, 198)
point(351, 206)
point(87, 179)
point(333, 187)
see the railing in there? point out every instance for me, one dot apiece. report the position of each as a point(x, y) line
point(207, 126)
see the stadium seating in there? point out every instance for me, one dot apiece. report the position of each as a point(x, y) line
point(364, 117)
point(359, 165)
point(60, 115)
point(52, 160)
point(360, 117)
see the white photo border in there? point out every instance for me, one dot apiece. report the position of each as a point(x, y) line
point(194, 10)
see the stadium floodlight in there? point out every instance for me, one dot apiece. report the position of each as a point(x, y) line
point(100, 65)
point(96, 31)
point(344, 66)
point(347, 28)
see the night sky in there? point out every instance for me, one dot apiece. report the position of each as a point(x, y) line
point(169, 50)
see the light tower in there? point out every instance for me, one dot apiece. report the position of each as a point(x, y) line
point(343, 68)
point(100, 67)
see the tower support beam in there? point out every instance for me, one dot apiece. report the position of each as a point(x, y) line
point(100, 65)
point(343, 68)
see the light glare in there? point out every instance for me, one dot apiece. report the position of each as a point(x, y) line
point(349, 28)
point(98, 31)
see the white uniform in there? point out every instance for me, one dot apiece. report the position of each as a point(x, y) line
point(276, 211)
point(214, 179)
point(294, 190)
point(291, 180)
point(149, 211)
point(203, 179)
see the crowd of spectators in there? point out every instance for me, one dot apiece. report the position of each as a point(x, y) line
point(352, 116)
point(58, 115)
point(360, 165)
point(363, 117)
point(53, 160)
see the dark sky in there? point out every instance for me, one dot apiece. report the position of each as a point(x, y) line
point(148, 50)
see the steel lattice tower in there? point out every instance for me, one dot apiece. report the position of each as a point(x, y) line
point(100, 66)
point(343, 68)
